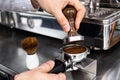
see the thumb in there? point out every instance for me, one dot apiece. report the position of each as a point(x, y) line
point(62, 20)
point(46, 67)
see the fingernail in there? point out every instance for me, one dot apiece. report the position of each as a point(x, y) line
point(66, 28)
point(16, 76)
point(77, 25)
point(50, 62)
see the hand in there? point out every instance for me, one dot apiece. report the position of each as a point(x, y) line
point(41, 73)
point(55, 8)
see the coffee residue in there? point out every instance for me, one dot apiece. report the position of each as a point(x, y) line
point(74, 49)
point(30, 45)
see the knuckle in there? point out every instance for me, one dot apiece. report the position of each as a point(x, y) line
point(62, 76)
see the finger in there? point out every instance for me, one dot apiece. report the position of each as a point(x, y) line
point(62, 20)
point(16, 76)
point(79, 16)
point(46, 67)
point(60, 76)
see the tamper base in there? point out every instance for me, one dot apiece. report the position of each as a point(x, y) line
point(70, 39)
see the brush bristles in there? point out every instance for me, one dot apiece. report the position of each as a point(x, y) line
point(30, 45)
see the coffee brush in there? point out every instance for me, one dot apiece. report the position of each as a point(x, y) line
point(70, 13)
point(30, 45)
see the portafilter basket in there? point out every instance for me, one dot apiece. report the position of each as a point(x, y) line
point(76, 52)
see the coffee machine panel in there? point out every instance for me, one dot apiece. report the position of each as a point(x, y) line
point(110, 3)
point(101, 28)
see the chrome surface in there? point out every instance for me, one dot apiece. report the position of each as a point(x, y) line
point(78, 56)
point(40, 23)
point(50, 35)
point(13, 56)
point(87, 65)
point(105, 22)
point(7, 70)
point(71, 39)
point(75, 61)
point(107, 33)
point(110, 3)
point(6, 73)
point(6, 18)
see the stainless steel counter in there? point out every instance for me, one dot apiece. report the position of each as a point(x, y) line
point(13, 56)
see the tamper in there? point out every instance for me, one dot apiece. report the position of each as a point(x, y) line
point(70, 13)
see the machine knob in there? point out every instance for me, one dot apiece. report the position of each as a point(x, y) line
point(30, 23)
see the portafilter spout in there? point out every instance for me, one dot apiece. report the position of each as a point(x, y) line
point(70, 13)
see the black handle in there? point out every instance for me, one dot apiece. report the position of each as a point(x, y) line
point(59, 67)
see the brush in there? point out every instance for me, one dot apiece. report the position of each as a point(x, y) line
point(30, 45)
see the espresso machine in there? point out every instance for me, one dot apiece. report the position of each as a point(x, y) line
point(100, 29)
point(74, 56)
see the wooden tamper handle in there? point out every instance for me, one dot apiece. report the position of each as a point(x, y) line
point(70, 13)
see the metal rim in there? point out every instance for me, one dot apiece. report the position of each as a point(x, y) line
point(71, 45)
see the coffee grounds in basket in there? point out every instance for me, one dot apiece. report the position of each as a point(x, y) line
point(30, 45)
point(74, 49)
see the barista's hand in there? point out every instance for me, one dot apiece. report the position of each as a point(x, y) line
point(41, 73)
point(55, 8)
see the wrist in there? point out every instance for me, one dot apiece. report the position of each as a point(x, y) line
point(35, 4)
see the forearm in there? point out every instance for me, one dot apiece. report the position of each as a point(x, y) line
point(16, 5)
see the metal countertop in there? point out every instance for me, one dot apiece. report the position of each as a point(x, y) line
point(13, 56)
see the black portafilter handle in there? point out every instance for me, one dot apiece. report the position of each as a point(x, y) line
point(59, 67)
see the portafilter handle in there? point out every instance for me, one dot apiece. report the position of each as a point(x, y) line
point(59, 67)
point(70, 13)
